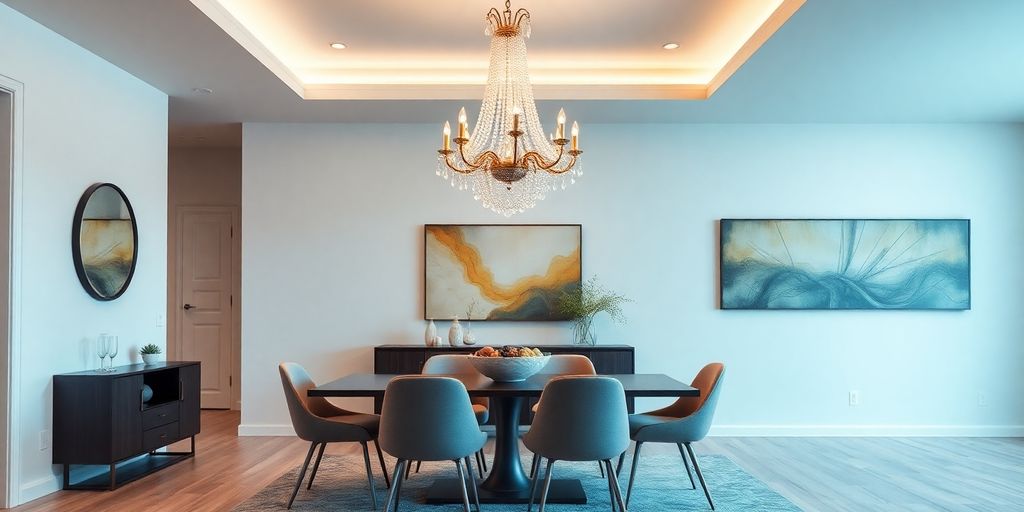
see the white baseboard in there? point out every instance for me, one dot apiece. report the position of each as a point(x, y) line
point(265, 430)
point(39, 488)
point(867, 431)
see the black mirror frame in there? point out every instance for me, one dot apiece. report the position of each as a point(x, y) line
point(76, 241)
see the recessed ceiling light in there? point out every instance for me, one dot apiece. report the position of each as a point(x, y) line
point(339, 46)
point(202, 90)
point(670, 46)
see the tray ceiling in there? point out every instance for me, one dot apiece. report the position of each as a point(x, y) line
point(397, 49)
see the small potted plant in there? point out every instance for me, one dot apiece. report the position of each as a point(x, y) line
point(150, 353)
point(584, 303)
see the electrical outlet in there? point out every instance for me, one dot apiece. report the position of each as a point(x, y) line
point(854, 398)
point(982, 399)
point(161, 320)
point(44, 440)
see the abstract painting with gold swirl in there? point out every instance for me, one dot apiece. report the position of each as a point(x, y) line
point(500, 272)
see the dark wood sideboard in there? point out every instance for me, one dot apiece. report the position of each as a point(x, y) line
point(409, 359)
point(101, 419)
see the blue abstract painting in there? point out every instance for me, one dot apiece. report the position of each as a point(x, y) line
point(845, 264)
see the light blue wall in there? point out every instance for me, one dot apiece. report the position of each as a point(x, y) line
point(334, 215)
point(85, 121)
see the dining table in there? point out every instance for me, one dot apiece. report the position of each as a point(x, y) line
point(506, 482)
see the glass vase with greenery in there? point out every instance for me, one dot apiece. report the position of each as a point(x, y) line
point(584, 303)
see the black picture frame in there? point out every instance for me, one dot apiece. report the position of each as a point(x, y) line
point(76, 245)
point(721, 262)
point(426, 227)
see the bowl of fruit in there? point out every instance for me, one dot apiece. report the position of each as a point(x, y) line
point(508, 364)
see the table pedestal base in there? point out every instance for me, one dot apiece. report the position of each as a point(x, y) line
point(449, 490)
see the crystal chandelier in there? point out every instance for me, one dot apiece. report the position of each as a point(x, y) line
point(507, 162)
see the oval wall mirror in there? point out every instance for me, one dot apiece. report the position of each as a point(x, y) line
point(104, 241)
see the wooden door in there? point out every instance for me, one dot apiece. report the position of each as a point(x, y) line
point(205, 324)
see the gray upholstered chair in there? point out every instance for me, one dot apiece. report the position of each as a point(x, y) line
point(566, 364)
point(579, 419)
point(430, 419)
point(456, 364)
point(317, 421)
point(685, 421)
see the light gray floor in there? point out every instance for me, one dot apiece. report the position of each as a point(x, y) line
point(881, 474)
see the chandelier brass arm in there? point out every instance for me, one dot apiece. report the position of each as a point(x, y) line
point(471, 167)
point(491, 160)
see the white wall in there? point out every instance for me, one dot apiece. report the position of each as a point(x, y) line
point(333, 249)
point(85, 121)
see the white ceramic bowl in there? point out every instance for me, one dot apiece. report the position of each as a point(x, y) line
point(508, 369)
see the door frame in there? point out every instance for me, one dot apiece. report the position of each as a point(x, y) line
point(175, 317)
point(10, 357)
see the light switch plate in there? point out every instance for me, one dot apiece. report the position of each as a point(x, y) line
point(161, 320)
point(854, 398)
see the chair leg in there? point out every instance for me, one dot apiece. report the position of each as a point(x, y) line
point(408, 469)
point(302, 473)
point(600, 466)
point(418, 463)
point(618, 468)
point(534, 468)
point(383, 466)
point(483, 459)
point(462, 478)
point(397, 479)
point(547, 485)
point(615, 487)
point(316, 466)
point(398, 495)
point(472, 484)
point(687, 464)
point(479, 465)
point(632, 472)
point(608, 480)
point(700, 476)
point(369, 475)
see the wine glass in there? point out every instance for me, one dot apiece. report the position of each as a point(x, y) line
point(112, 347)
point(102, 349)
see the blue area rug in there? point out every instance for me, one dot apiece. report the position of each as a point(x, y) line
point(661, 485)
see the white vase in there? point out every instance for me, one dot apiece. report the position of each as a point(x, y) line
point(468, 338)
point(455, 333)
point(428, 337)
point(150, 358)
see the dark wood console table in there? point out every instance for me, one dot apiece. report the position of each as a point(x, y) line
point(100, 418)
point(409, 359)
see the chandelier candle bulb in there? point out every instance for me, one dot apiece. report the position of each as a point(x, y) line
point(575, 136)
point(515, 118)
point(463, 128)
point(561, 123)
point(446, 135)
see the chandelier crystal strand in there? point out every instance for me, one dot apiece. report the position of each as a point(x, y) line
point(508, 163)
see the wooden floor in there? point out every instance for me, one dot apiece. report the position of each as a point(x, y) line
point(826, 474)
